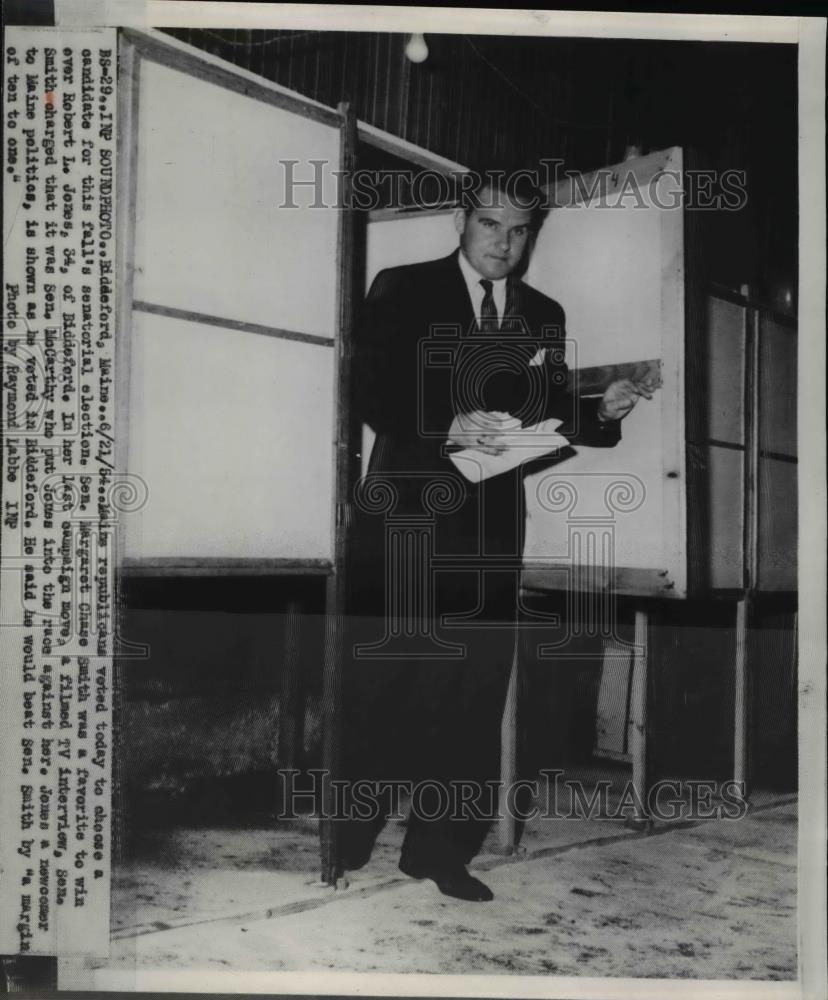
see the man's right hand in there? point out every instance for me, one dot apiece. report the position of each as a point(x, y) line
point(482, 430)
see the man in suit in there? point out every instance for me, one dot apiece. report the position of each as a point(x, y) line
point(449, 354)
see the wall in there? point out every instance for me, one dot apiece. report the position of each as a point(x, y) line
point(479, 99)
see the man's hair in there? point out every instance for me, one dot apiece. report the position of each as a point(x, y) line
point(476, 187)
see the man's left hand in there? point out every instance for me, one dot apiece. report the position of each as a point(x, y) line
point(620, 397)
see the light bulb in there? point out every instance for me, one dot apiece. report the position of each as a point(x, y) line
point(416, 50)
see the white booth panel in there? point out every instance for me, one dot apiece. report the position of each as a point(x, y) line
point(618, 273)
point(232, 433)
point(630, 472)
point(212, 233)
point(604, 267)
point(408, 239)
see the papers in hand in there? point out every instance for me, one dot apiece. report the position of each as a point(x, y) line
point(522, 444)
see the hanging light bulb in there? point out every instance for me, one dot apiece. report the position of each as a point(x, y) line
point(416, 50)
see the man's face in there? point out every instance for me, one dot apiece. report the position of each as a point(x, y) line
point(494, 238)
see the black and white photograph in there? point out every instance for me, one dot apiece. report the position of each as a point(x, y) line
point(413, 502)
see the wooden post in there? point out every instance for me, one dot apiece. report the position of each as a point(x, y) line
point(638, 715)
point(331, 726)
point(345, 474)
point(741, 699)
point(291, 703)
point(508, 758)
point(750, 429)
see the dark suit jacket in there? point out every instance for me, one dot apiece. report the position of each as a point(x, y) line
point(420, 360)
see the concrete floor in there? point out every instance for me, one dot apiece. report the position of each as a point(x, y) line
point(588, 897)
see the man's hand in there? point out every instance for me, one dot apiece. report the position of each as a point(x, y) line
point(621, 396)
point(482, 430)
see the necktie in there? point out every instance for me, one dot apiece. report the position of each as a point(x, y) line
point(488, 310)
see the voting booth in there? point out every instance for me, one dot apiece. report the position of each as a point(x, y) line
point(233, 355)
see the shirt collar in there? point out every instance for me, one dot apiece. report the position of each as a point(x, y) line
point(473, 278)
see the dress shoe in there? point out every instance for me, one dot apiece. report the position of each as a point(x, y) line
point(457, 883)
point(465, 886)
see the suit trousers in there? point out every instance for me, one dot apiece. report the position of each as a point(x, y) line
point(425, 682)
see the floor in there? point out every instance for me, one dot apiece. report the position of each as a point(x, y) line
point(712, 899)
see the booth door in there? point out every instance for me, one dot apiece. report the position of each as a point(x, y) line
point(233, 314)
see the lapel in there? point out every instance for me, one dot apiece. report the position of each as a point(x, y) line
point(453, 297)
point(515, 320)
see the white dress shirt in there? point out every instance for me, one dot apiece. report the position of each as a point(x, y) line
point(476, 294)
